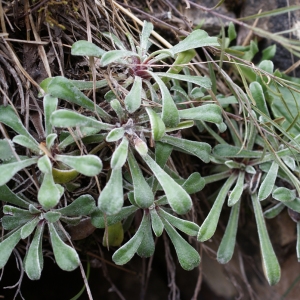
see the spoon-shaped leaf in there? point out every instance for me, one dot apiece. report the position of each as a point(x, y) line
point(209, 225)
point(67, 118)
point(116, 106)
point(197, 38)
point(225, 150)
point(185, 226)
point(111, 198)
point(226, 247)
point(33, 263)
point(201, 150)
point(100, 220)
point(237, 191)
point(44, 164)
point(115, 56)
point(207, 113)
point(50, 140)
point(63, 88)
point(83, 205)
point(119, 156)
point(65, 256)
point(7, 246)
point(143, 194)
point(28, 228)
point(115, 134)
point(140, 146)
point(52, 216)
point(178, 198)
point(133, 99)
point(127, 251)
point(162, 153)
point(8, 196)
point(156, 222)
point(270, 263)
point(87, 49)
point(274, 211)
point(188, 257)
point(49, 192)
point(194, 183)
point(7, 171)
point(50, 105)
point(9, 118)
point(88, 165)
point(294, 205)
point(147, 246)
point(144, 38)
point(267, 185)
point(283, 194)
point(158, 127)
point(170, 115)
point(27, 143)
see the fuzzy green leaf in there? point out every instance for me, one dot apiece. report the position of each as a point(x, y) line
point(52, 216)
point(144, 38)
point(188, 257)
point(115, 56)
point(156, 222)
point(44, 164)
point(115, 134)
point(7, 171)
point(267, 185)
point(209, 225)
point(283, 194)
point(27, 143)
point(65, 256)
point(270, 263)
point(194, 183)
point(7, 195)
point(33, 263)
point(111, 198)
point(6, 149)
point(116, 106)
point(28, 228)
point(140, 146)
point(147, 246)
point(85, 48)
point(133, 99)
point(50, 140)
point(119, 156)
point(178, 198)
point(274, 211)
point(158, 127)
point(199, 149)
point(226, 247)
point(88, 165)
point(237, 191)
point(50, 105)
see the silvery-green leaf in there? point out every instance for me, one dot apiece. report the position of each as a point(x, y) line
point(7, 246)
point(294, 205)
point(88, 165)
point(111, 198)
point(170, 115)
point(143, 195)
point(237, 191)
point(44, 164)
point(85, 48)
point(50, 139)
point(210, 223)
point(67, 118)
point(226, 247)
point(259, 97)
point(133, 99)
point(33, 210)
point(225, 150)
point(7, 195)
point(114, 39)
point(63, 88)
point(15, 221)
point(283, 194)
point(83, 205)
point(156, 222)
point(147, 246)
point(194, 183)
point(49, 193)
point(50, 105)
point(52, 216)
point(274, 211)
point(140, 146)
point(115, 134)
point(162, 153)
point(290, 162)
point(33, 263)
point(250, 170)
point(100, 220)
point(119, 156)
point(188, 257)
point(158, 127)
point(27, 143)
point(197, 38)
point(144, 38)
point(298, 242)
point(270, 263)
point(115, 56)
point(6, 149)
point(7, 171)
point(190, 228)
point(178, 198)
point(28, 228)
point(131, 199)
point(182, 125)
point(199, 149)
point(65, 256)
point(9, 118)
point(127, 251)
point(199, 80)
point(116, 106)
point(267, 185)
